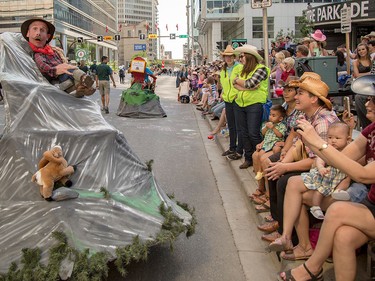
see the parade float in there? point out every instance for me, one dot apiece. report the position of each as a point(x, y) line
point(120, 210)
point(140, 100)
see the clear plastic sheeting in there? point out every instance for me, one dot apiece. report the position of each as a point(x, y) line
point(39, 115)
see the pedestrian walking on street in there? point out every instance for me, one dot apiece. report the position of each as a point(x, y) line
point(103, 73)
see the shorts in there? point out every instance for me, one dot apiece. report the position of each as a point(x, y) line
point(104, 87)
point(369, 205)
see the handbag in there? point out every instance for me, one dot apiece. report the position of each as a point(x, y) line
point(299, 151)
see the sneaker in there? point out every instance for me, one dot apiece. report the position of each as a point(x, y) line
point(246, 164)
point(234, 156)
point(228, 152)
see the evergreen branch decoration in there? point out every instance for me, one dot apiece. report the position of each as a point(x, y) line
point(94, 267)
point(105, 192)
point(149, 164)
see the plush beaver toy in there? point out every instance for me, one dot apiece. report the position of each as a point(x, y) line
point(52, 168)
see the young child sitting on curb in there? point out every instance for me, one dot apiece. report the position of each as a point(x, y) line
point(273, 132)
point(326, 180)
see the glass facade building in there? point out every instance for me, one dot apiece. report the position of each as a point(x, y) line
point(72, 19)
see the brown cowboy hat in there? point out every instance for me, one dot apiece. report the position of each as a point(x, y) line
point(312, 82)
point(25, 28)
point(229, 51)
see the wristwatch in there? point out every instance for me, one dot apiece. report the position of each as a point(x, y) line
point(324, 146)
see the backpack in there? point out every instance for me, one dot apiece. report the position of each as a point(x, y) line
point(266, 110)
point(302, 66)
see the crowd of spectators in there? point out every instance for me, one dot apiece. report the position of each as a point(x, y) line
point(296, 152)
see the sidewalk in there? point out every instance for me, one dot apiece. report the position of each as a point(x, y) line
point(248, 184)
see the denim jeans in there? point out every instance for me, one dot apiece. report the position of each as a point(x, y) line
point(233, 127)
point(250, 121)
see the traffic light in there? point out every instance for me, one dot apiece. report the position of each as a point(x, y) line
point(142, 36)
point(80, 39)
point(99, 38)
point(219, 45)
point(225, 44)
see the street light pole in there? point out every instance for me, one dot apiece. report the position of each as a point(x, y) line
point(188, 32)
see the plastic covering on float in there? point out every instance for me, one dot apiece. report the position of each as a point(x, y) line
point(38, 115)
point(140, 103)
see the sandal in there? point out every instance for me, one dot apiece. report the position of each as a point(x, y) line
point(268, 218)
point(281, 244)
point(317, 212)
point(261, 208)
point(267, 204)
point(257, 193)
point(294, 256)
point(290, 277)
point(260, 199)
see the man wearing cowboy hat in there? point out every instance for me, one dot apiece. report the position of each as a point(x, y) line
point(51, 60)
point(311, 99)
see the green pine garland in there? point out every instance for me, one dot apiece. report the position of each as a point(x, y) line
point(94, 267)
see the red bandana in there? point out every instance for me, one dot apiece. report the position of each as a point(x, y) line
point(47, 50)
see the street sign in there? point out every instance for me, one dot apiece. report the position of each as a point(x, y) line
point(257, 4)
point(346, 20)
point(142, 36)
point(107, 37)
point(183, 36)
point(99, 38)
point(152, 36)
point(80, 39)
point(139, 47)
point(117, 37)
point(238, 43)
point(172, 36)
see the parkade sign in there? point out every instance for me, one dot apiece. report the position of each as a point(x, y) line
point(361, 10)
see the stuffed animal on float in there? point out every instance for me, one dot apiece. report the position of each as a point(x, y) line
point(52, 168)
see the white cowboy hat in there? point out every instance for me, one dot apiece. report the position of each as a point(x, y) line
point(372, 34)
point(249, 49)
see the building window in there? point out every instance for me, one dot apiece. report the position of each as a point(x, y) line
point(258, 27)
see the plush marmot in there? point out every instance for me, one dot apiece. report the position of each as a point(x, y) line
point(52, 168)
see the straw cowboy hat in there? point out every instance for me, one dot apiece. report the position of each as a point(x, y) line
point(372, 34)
point(249, 49)
point(318, 35)
point(229, 51)
point(312, 82)
point(364, 85)
point(25, 28)
point(305, 39)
